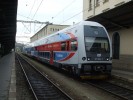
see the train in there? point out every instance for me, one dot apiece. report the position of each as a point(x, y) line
point(83, 49)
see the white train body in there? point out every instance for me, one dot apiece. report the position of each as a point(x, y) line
point(84, 49)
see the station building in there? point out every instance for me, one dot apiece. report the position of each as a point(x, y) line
point(117, 17)
point(46, 30)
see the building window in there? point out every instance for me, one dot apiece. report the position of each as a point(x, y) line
point(56, 29)
point(97, 3)
point(90, 5)
point(116, 45)
point(104, 1)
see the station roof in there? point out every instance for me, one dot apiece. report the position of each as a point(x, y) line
point(8, 11)
point(117, 18)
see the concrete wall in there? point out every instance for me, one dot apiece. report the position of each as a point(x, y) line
point(125, 62)
point(126, 41)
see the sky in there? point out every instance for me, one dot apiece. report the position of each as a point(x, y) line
point(64, 12)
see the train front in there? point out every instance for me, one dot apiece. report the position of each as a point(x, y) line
point(96, 62)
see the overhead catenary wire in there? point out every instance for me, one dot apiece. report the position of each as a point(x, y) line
point(24, 16)
point(75, 14)
point(64, 9)
point(37, 9)
point(30, 12)
point(32, 7)
point(71, 17)
point(60, 12)
point(93, 5)
point(26, 27)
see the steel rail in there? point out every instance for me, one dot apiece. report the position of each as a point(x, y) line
point(27, 78)
point(121, 92)
point(58, 92)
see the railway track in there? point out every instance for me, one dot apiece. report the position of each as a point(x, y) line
point(121, 92)
point(41, 86)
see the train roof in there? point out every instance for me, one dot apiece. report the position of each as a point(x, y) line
point(45, 39)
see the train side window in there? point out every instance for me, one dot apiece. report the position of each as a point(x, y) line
point(46, 54)
point(40, 54)
point(74, 45)
point(63, 46)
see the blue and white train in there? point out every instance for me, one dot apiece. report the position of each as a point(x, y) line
point(83, 49)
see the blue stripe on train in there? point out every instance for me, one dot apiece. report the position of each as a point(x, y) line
point(60, 55)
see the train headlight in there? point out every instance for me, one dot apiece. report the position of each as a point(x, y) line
point(88, 58)
point(83, 58)
point(107, 58)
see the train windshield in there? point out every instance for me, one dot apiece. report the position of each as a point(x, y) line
point(97, 44)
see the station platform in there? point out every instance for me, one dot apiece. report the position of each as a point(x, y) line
point(124, 75)
point(7, 77)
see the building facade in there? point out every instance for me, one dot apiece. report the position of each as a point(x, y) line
point(48, 29)
point(117, 17)
point(92, 8)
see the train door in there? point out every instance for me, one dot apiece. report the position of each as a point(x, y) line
point(51, 58)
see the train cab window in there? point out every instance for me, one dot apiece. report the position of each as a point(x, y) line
point(63, 46)
point(74, 45)
point(97, 45)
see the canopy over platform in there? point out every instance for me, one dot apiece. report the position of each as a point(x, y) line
point(8, 12)
point(117, 18)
